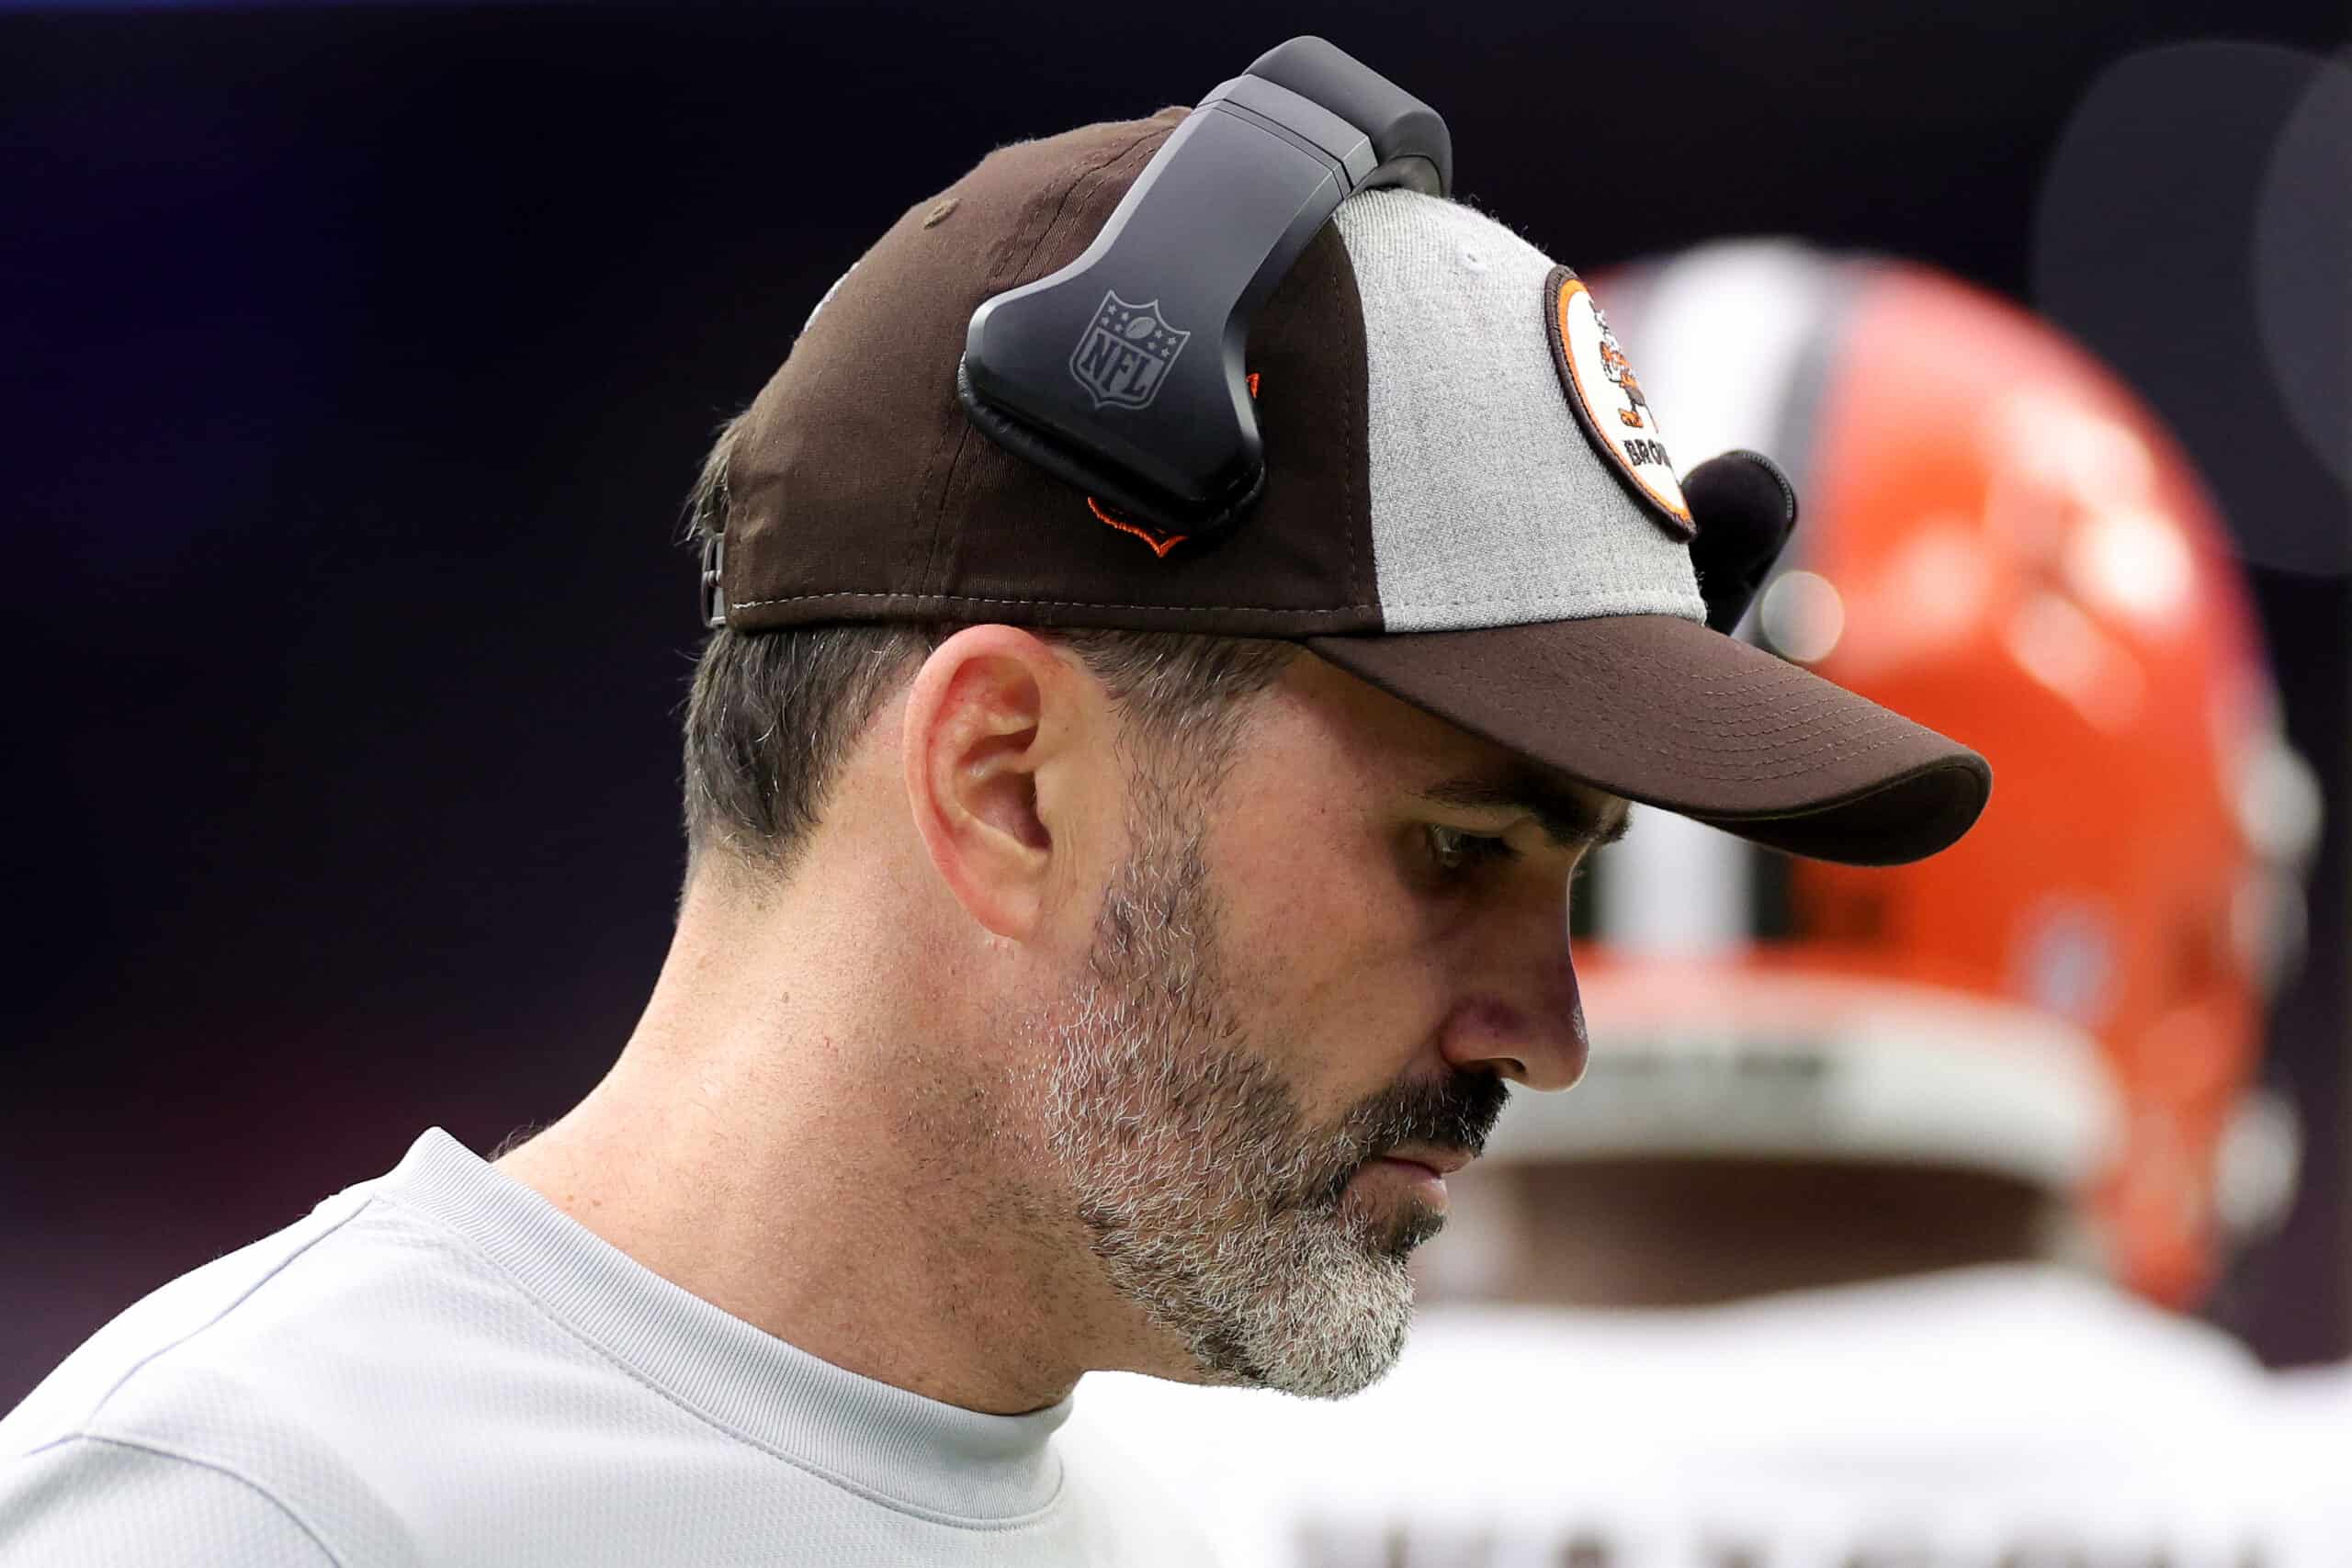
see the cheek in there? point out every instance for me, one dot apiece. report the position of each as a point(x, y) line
point(1331, 951)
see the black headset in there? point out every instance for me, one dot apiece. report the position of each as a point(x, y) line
point(1122, 372)
point(1094, 374)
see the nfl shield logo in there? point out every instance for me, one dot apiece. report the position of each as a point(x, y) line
point(1125, 354)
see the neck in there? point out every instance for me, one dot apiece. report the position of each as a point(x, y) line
point(780, 1140)
point(1652, 1234)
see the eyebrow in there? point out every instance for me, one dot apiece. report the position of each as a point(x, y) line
point(1568, 819)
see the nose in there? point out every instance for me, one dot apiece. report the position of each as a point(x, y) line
point(1519, 1014)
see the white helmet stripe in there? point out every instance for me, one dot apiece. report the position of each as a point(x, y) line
point(1726, 334)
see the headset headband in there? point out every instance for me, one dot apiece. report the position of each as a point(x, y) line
point(1093, 374)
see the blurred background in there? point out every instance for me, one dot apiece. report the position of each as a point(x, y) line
point(357, 358)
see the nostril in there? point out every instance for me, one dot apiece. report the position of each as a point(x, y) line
point(1490, 1035)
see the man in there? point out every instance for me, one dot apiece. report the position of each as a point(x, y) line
point(1099, 943)
point(1847, 1251)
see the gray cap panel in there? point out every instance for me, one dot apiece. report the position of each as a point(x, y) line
point(1489, 506)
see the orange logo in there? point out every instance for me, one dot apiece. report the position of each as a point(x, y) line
point(1161, 543)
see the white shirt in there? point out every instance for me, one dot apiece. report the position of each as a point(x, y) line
point(2011, 1418)
point(440, 1368)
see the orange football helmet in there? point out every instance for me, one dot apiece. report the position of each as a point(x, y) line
point(2000, 541)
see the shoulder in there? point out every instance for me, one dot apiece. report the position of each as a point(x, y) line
point(2320, 1395)
point(185, 1407)
point(166, 1324)
point(2307, 1414)
point(161, 1509)
point(281, 1379)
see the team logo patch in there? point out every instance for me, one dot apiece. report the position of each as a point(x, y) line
point(1609, 400)
point(1125, 354)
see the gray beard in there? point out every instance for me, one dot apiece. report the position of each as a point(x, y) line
point(1213, 1203)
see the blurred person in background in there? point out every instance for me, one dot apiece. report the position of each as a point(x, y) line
point(1867, 1236)
point(1095, 947)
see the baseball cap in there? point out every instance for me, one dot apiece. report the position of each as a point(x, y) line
point(1465, 502)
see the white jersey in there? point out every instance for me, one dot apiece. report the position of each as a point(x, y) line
point(2320, 1397)
point(2012, 1417)
point(440, 1368)
point(2311, 1407)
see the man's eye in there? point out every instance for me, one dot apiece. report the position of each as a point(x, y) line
point(1451, 850)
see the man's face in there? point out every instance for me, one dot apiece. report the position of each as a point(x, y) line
point(1308, 986)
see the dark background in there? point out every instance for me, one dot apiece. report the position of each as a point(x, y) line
point(356, 360)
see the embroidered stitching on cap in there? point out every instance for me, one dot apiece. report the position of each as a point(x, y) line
point(1161, 543)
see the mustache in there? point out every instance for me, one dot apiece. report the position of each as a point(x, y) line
point(1458, 1111)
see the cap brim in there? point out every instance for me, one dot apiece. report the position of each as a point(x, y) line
point(1671, 713)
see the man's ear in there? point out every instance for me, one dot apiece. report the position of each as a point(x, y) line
point(990, 711)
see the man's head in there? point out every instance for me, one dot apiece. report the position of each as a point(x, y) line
point(1256, 929)
point(1222, 877)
